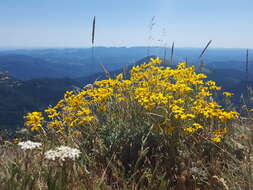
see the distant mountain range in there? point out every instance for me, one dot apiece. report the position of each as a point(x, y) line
point(77, 62)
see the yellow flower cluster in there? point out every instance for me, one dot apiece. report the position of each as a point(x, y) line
point(195, 127)
point(227, 94)
point(181, 96)
point(218, 134)
point(71, 111)
point(34, 120)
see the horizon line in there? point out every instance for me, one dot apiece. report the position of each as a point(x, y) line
point(4, 48)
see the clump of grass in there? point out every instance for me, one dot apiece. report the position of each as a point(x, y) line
point(158, 129)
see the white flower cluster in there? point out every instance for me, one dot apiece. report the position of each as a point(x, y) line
point(62, 153)
point(29, 145)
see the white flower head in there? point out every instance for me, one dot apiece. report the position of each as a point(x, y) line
point(29, 145)
point(62, 153)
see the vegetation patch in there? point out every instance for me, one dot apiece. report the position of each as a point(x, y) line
point(159, 128)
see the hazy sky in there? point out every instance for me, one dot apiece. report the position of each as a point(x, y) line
point(67, 23)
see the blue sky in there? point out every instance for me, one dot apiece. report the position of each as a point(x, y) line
point(67, 23)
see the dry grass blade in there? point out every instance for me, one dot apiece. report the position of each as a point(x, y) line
point(201, 56)
point(164, 54)
point(150, 27)
point(93, 30)
point(107, 73)
point(247, 64)
point(93, 38)
point(204, 50)
point(172, 52)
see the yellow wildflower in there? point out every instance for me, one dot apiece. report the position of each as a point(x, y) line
point(227, 94)
point(34, 120)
